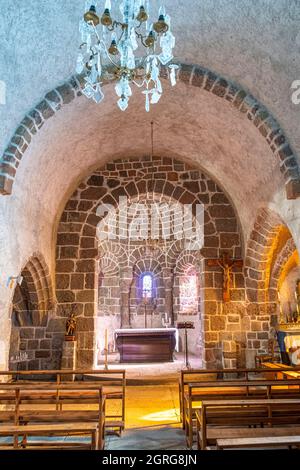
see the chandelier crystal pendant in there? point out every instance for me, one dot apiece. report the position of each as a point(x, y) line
point(114, 46)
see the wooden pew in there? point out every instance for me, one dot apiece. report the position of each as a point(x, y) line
point(255, 442)
point(230, 419)
point(214, 433)
point(51, 404)
point(196, 375)
point(61, 429)
point(112, 381)
point(232, 389)
point(273, 367)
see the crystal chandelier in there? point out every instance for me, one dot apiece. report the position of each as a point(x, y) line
point(112, 47)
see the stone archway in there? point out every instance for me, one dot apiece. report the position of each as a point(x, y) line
point(268, 236)
point(267, 126)
point(269, 248)
point(78, 251)
point(30, 348)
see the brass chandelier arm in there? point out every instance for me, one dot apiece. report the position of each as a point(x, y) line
point(142, 38)
point(115, 24)
point(111, 51)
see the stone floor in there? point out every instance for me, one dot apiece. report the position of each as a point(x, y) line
point(149, 438)
point(152, 419)
point(153, 372)
point(151, 405)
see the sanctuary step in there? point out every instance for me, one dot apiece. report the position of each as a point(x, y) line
point(152, 373)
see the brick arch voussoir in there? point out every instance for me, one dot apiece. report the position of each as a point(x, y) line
point(109, 265)
point(92, 219)
point(40, 274)
point(283, 257)
point(36, 275)
point(267, 126)
point(147, 264)
point(258, 256)
point(186, 261)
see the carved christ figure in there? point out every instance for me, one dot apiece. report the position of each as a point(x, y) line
point(227, 266)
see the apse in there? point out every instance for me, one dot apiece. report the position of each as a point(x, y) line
point(149, 227)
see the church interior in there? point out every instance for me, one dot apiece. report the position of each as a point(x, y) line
point(149, 225)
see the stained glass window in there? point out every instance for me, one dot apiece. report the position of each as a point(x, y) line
point(147, 286)
point(188, 289)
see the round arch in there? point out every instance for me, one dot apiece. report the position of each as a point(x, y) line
point(267, 126)
point(77, 243)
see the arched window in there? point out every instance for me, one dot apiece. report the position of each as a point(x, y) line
point(147, 286)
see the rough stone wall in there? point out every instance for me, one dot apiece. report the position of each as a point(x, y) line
point(230, 51)
point(32, 345)
point(269, 250)
point(99, 279)
point(167, 272)
point(77, 246)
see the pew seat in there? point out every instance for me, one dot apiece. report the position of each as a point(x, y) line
point(90, 430)
point(262, 442)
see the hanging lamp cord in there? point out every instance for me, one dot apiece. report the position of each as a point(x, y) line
point(152, 163)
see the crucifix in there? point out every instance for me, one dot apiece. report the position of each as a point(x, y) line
point(227, 265)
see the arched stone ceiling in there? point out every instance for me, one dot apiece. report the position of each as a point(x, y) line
point(193, 75)
point(190, 124)
point(255, 44)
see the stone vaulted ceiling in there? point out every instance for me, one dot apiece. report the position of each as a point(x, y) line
point(253, 44)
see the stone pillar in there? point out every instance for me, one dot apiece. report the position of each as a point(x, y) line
point(68, 360)
point(168, 277)
point(125, 284)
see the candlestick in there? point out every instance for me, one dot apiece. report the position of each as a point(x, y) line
point(145, 312)
point(297, 305)
point(165, 320)
point(106, 349)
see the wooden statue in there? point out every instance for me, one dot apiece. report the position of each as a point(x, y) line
point(70, 326)
point(227, 265)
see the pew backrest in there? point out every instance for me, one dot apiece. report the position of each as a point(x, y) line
point(246, 412)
